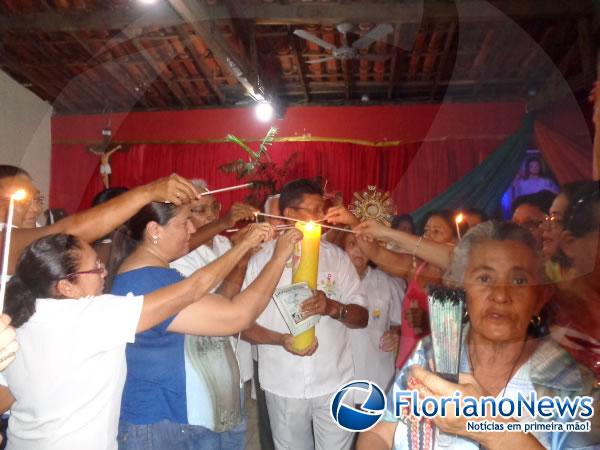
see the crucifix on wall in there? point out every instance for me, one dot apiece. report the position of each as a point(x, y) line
point(105, 153)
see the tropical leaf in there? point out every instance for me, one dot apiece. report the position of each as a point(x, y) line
point(238, 141)
point(233, 167)
point(268, 140)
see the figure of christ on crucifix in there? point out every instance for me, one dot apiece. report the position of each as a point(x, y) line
point(105, 170)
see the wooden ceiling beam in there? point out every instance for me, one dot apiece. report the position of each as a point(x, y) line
point(128, 87)
point(444, 58)
point(156, 69)
point(94, 60)
point(300, 64)
point(202, 67)
point(197, 16)
point(54, 94)
point(160, 15)
point(394, 62)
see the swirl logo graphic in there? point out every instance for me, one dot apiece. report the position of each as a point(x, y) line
point(368, 413)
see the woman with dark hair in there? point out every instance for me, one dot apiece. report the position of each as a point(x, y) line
point(404, 222)
point(557, 263)
point(500, 268)
point(156, 404)
point(576, 316)
point(103, 245)
point(533, 180)
point(68, 379)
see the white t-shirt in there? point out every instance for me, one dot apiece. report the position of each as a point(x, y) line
point(288, 375)
point(69, 373)
point(384, 298)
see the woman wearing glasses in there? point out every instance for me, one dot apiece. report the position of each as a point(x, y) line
point(68, 379)
point(557, 263)
point(575, 313)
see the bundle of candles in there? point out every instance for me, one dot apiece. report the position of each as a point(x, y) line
point(446, 308)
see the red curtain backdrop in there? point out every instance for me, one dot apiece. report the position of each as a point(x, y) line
point(346, 167)
point(434, 146)
point(568, 160)
point(414, 173)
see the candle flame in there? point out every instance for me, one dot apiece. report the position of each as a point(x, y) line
point(310, 226)
point(19, 195)
point(459, 218)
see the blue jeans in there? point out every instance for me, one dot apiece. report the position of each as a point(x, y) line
point(167, 435)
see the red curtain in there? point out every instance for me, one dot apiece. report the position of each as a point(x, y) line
point(568, 160)
point(414, 172)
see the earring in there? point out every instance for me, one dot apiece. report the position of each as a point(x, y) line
point(536, 321)
point(155, 240)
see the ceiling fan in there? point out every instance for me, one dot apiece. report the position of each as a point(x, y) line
point(349, 51)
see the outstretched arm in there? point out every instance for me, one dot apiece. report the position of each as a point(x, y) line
point(434, 253)
point(100, 220)
point(216, 316)
point(239, 211)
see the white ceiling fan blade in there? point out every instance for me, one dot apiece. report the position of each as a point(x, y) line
point(376, 34)
point(376, 58)
point(312, 38)
point(320, 60)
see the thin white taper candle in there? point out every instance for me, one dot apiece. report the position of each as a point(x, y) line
point(5, 253)
point(304, 221)
point(231, 188)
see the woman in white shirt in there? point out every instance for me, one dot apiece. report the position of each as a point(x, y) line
point(69, 376)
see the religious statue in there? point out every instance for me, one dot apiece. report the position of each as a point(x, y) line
point(105, 169)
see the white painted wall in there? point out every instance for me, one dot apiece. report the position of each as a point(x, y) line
point(25, 139)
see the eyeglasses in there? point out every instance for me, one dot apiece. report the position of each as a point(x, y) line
point(553, 221)
point(215, 207)
point(100, 269)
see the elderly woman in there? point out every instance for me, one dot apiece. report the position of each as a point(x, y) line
point(503, 277)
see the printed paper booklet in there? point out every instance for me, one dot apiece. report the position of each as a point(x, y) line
point(288, 299)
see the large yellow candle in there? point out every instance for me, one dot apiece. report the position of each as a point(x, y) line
point(306, 268)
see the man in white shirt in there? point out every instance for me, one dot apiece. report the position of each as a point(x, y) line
point(374, 347)
point(299, 385)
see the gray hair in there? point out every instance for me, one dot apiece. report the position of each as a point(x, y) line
point(268, 202)
point(200, 184)
point(489, 231)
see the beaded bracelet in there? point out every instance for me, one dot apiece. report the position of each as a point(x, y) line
point(414, 253)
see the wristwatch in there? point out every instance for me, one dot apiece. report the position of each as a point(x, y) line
point(343, 313)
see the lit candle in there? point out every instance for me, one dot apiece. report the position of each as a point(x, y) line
point(458, 220)
point(18, 195)
point(306, 268)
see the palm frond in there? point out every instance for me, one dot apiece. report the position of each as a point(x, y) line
point(268, 140)
point(238, 141)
